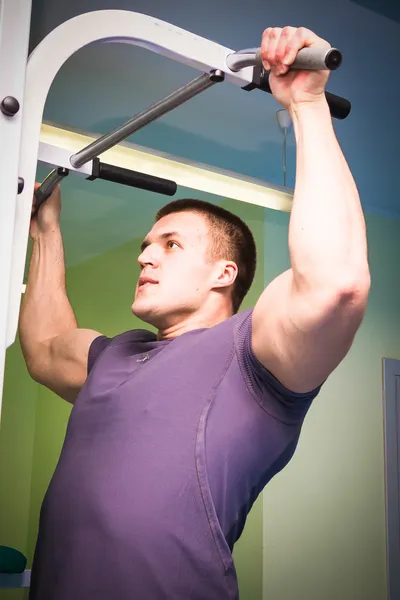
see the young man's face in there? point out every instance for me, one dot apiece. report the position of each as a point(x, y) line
point(176, 273)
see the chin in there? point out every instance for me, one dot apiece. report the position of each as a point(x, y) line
point(146, 313)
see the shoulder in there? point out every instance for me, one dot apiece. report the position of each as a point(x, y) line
point(234, 325)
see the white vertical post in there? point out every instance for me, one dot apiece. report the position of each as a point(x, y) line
point(15, 17)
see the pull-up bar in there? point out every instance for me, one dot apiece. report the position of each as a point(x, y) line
point(195, 87)
point(307, 58)
point(104, 143)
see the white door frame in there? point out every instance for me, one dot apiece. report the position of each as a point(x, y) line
point(391, 411)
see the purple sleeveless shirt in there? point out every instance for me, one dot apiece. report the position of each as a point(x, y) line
point(168, 445)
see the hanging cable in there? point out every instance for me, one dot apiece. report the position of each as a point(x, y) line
point(285, 123)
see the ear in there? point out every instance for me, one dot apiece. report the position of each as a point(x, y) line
point(225, 274)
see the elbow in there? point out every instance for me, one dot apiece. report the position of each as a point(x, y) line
point(34, 371)
point(352, 291)
point(338, 302)
point(30, 363)
point(36, 363)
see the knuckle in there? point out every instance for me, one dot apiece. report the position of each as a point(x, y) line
point(270, 57)
point(280, 52)
point(305, 33)
point(291, 31)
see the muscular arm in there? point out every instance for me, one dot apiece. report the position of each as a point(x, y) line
point(55, 350)
point(305, 321)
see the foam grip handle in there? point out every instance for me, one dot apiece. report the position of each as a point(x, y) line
point(316, 58)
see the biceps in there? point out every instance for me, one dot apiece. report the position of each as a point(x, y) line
point(63, 362)
point(301, 338)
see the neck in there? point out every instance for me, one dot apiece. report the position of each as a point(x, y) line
point(192, 322)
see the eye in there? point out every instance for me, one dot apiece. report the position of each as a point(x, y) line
point(171, 244)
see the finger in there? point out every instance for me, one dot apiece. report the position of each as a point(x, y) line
point(271, 45)
point(282, 48)
point(301, 38)
point(264, 45)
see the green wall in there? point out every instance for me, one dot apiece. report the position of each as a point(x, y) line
point(17, 429)
point(101, 292)
point(324, 515)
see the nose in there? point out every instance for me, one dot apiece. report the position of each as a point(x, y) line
point(148, 257)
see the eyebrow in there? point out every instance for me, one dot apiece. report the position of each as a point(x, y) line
point(163, 236)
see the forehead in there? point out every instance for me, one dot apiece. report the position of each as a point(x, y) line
point(187, 224)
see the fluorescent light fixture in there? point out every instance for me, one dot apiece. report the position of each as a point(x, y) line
point(58, 144)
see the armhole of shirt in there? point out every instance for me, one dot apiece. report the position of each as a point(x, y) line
point(98, 345)
point(269, 392)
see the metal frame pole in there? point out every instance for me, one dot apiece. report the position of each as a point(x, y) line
point(15, 18)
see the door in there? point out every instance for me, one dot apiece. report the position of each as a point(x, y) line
point(391, 404)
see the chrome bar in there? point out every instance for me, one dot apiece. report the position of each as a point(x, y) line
point(155, 111)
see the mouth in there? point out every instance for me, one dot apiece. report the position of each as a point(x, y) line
point(145, 283)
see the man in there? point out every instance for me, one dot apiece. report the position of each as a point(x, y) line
point(172, 436)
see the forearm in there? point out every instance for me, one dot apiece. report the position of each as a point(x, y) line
point(46, 311)
point(327, 238)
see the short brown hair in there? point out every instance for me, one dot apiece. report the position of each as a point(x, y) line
point(231, 240)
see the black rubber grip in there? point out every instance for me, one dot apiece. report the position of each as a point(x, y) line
point(142, 181)
point(333, 59)
point(340, 107)
point(48, 185)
